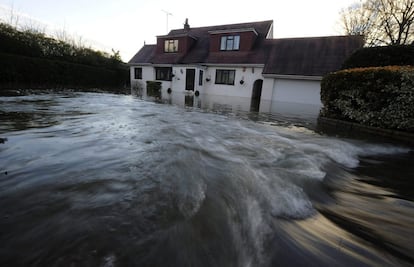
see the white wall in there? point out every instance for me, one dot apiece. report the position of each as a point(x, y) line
point(285, 96)
point(248, 74)
point(179, 79)
point(267, 90)
point(148, 74)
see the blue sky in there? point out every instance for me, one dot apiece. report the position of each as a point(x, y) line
point(124, 25)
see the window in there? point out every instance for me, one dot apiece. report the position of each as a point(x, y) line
point(225, 76)
point(138, 73)
point(163, 74)
point(200, 77)
point(171, 46)
point(229, 43)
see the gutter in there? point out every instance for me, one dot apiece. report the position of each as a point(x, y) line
point(139, 64)
point(293, 77)
point(240, 65)
point(234, 31)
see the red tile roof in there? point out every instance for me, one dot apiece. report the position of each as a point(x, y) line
point(295, 56)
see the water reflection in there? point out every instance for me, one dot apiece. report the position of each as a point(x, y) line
point(19, 113)
point(378, 214)
point(26, 112)
point(279, 113)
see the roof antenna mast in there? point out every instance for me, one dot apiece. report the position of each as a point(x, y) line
point(167, 14)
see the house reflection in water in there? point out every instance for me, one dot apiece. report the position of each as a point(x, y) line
point(243, 105)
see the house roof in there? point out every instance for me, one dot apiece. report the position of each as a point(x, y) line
point(144, 55)
point(294, 56)
point(199, 53)
point(261, 27)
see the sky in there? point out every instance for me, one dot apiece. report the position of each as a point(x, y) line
point(125, 25)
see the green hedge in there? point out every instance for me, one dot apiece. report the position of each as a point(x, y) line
point(20, 71)
point(378, 96)
point(32, 44)
point(397, 55)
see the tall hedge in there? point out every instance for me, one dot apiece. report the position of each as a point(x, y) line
point(29, 72)
point(394, 55)
point(377, 96)
point(33, 44)
point(32, 60)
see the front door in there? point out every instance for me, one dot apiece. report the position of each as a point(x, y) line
point(256, 95)
point(189, 79)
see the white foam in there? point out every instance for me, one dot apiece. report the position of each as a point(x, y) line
point(109, 261)
point(191, 199)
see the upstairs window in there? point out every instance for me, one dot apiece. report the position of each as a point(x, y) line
point(138, 73)
point(225, 77)
point(163, 74)
point(229, 43)
point(171, 46)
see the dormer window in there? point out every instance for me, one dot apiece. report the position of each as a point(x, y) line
point(229, 43)
point(171, 46)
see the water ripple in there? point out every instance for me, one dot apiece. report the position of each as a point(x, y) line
point(105, 180)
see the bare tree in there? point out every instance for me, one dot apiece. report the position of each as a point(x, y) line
point(71, 39)
point(396, 19)
point(358, 20)
point(62, 35)
point(13, 18)
point(389, 22)
point(33, 26)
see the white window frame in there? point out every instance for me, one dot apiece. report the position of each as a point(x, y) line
point(171, 46)
point(230, 43)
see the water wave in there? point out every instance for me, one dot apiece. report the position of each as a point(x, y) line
point(122, 181)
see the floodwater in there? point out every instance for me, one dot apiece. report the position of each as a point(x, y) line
point(108, 180)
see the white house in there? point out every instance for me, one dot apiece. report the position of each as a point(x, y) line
point(244, 61)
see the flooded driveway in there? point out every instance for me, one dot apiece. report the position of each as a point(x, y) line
point(108, 180)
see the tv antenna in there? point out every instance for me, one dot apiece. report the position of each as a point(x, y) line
point(167, 14)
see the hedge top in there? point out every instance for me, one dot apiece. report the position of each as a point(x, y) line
point(396, 55)
point(393, 68)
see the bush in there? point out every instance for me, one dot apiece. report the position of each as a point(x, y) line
point(31, 59)
point(19, 71)
point(397, 55)
point(378, 96)
point(154, 89)
point(33, 44)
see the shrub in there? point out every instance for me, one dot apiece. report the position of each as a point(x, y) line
point(154, 89)
point(31, 59)
point(378, 96)
point(396, 55)
point(19, 71)
point(32, 44)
